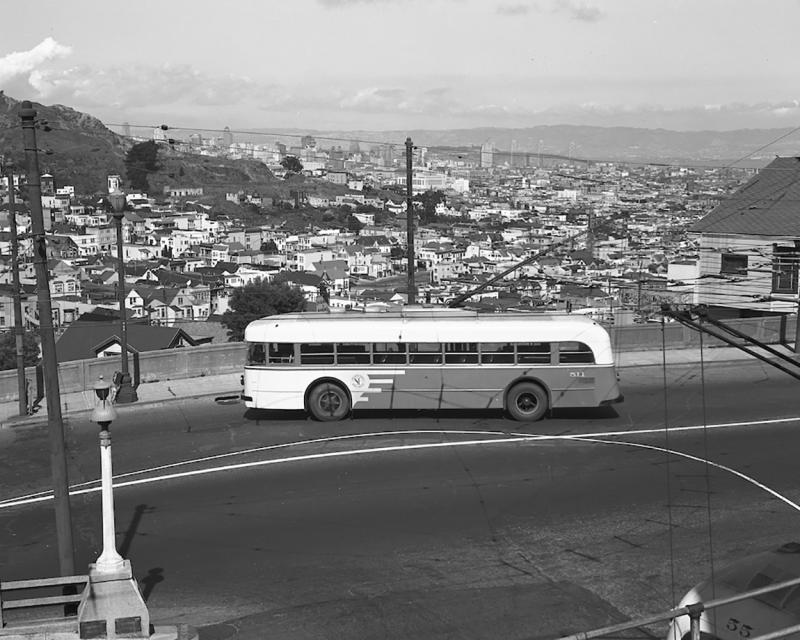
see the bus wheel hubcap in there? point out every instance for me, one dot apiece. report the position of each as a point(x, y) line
point(527, 403)
point(330, 402)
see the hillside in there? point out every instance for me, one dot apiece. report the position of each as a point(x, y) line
point(217, 176)
point(84, 151)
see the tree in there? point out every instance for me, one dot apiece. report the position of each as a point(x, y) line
point(292, 164)
point(141, 159)
point(269, 247)
point(354, 224)
point(8, 350)
point(257, 300)
point(429, 200)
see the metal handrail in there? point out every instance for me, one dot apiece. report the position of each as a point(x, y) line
point(40, 583)
point(692, 610)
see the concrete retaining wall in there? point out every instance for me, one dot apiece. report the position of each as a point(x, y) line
point(646, 337)
point(190, 362)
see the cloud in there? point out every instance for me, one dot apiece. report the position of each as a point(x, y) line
point(335, 4)
point(433, 101)
point(20, 63)
point(580, 10)
point(514, 9)
point(141, 86)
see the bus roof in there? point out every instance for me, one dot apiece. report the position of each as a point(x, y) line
point(430, 325)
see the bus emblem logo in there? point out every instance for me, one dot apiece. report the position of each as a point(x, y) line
point(358, 381)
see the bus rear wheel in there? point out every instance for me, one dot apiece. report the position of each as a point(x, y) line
point(527, 402)
point(328, 402)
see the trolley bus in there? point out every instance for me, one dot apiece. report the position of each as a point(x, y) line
point(329, 363)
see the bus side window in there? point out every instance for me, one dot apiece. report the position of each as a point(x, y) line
point(497, 352)
point(353, 353)
point(574, 353)
point(389, 353)
point(280, 353)
point(533, 353)
point(461, 352)
point(424, 353)
point(256, 353)
point(316, 353)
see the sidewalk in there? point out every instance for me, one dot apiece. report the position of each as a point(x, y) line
point(229, 384)
point(222, 385)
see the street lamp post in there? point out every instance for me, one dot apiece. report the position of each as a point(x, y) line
point(112, 606)
point(103, 415)
point(126, 392)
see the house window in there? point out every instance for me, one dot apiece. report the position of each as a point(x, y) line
point(784, 269)
point(734, 263)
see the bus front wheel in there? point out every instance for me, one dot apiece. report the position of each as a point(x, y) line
point(327, 402)
point(527, 402)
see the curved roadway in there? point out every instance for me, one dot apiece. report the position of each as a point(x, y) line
point(427, 525)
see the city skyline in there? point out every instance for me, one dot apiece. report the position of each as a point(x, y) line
point(410, 64)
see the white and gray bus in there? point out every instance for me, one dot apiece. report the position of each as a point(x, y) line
point(329, 363)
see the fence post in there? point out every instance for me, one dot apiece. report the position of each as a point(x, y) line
point(695, 611)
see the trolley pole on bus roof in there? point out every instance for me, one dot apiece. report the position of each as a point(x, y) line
point(412, 299)
point(55, 425)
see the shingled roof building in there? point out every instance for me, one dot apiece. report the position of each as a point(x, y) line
point(749, 246)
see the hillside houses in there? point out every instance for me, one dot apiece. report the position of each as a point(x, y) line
point(589, 233)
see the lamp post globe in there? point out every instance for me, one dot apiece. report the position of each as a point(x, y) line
point(126, 392)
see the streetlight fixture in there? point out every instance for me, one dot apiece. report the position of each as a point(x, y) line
point(104, 414)
point(125, 392)
point(112, 606)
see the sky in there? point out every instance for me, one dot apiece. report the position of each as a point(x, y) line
point(409, 64)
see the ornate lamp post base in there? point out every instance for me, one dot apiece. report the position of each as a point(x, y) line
point(112, 606)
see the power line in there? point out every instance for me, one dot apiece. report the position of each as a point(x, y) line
point(274, 134)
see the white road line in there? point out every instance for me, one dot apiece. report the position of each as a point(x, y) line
point(85, 488)
point(689, 456)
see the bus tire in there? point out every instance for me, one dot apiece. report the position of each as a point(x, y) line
point(328, 401)
point(527, 402)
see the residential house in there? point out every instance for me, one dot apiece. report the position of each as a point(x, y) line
point(308, 283)
point(96, 335)
point(334, 274)
point(304, 260)
point(749, 245)
point(249, 238)
point(28, 302)
point(106, 237)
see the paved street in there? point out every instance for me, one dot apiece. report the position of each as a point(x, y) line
point(304, 536)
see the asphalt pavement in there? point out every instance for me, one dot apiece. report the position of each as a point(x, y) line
point(557, 621)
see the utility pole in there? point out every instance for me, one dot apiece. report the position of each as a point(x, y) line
point(412, 294)
point(19, 331)
point(55, 425)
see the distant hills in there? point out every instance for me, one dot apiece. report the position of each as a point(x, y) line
point(620, 144)
point(85, 151)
